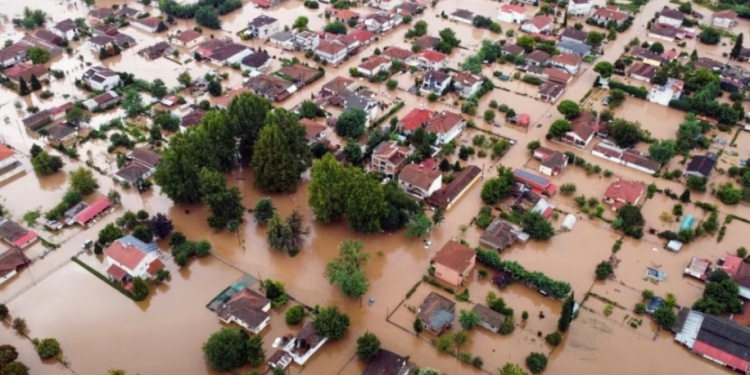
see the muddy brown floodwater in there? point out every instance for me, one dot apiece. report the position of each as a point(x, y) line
point(99, 329)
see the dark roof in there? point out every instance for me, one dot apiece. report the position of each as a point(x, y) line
point(127, 11)
point(246, 306)
point(256, 60)
point(146, 156)
point(447, 194)
point(672, 13)
point(725, 335)
point(133, 171)
point(10, 260)
point(60, 131)
point(703, 164)
point(551, 89)
point(427, 42)
point(573, 33)
point(193, 118)
point(667, 31)
point(38, 119)
point(261, 20)
point(489, 316)
point(11, 231)
point(309, 335)
point(66, 25)
point(513, 49)
point(708, 63)
point(742, 276)
point(337, 85)
point(14, 51)
point(436, 311)
point(643, 70)
point(227, 51)
point(538, 56)
point(463, 13)
point(102, 40)
point(269, 86)
point(645, 53)
point(385, 362)
point(101, 13)
point(48, 36)
point(499, 234)
point(151, 22)
point(121, 39)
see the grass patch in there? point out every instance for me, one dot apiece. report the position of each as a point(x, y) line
point(103, 278)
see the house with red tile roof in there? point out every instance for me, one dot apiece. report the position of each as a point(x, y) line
point(9, 163)
point(346, 15)
point(25, 71)
point(453, 263)
point(247, 309)
point(129, 257)
point(397, 53)
point(10, 261)
point(582, 129)
point(622, 192)
point(420, 181)
point(332, 52)
point(538, 24)
point(467, 84)
point(428, 60)
point(373, 65)
point(187, 38)
point(150, 24)
point(415, 119)
point(447, 125)
point(363, 36)
point(314, 131)
point(605, 15)
point(571, 63)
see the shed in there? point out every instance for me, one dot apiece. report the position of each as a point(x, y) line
point(655, 274)
point(569, 222)
point(674, 245)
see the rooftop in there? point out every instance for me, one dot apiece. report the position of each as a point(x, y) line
point(449, 193)
point(455, 255)
point(624, 190)
point(436, 311)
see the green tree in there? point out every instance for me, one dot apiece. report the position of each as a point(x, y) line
point(697, 183)
point(23, 88)
point(140, 289)
point(308, 109)
point(719, 296)
point(158, 89)
point(665, 317)
point(512, 369)
point(735, 54)
point(37, 55)
point(662, 151)
point(294, 315)
point(566, 316)
point(336, 27)
point(472, 64)
point(728, 194)
point(14, 368)
point(301, 22)
point(143, 233)
point(207, 16)
point(82, 180)
point(167, 122)
point(468, 319)
point(709, 36)
point(132, 103)
point(459, 339)
point(527, 42)
point(625, 133)
point(418, 227)
point(367, 346)
point(281, 154)
point(214, 88)
point(226, 349)
point(8, 353)
point(558, 129)
point(45, 163)
point(247, 116)
point(365, 203)
point(351, 123)
point(328, 189)
point(347, 269)
point(263, 211)
point(536, 362)
point(185, 79)
point(594, 39)
point(418, 326)
point(569, 109)
point(420, 28)
point(603, 270)
point(439, 216)
point(331, 323)
point(255, 352)
point(656, 48)
point(391, 84)
point(77, 116)
point(35, 84)
point(109, 234)
point(226, 204)
point(499, 187)
point(48, 348)
point(448, 41)
point(353, 153)
point(536, 226)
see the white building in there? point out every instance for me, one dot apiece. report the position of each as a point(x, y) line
point(247, 309)
point(387, 5)
point(446, 125)
point(66, 29)
point(331, 51)
point(419, 182)
point(466, 84)
point(150, 24)
point(306, 41)
point(672, 90)
point(9, 164)
point(671, 17)
point(129, 257)
point(305, 344)
point(283, 39)
point(725, 18)
point(580, 8)
point(262, 27)
point(428, 60)
point(372, 66)
point(512, 13)
point(101, 78)
point(571, 63)
point(462, 15)
point(538, 25)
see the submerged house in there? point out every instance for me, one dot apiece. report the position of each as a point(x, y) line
point(436, 313)
point(454, 262)
point(501, 234)
point(386, 362)
point(488, 318)
point(9, 164)
point(247, 309)
point(448, 195)
point(129, 257)
point(306, 343)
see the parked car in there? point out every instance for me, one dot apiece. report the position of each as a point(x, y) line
point(605, 101)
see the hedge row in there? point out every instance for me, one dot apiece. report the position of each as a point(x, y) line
point(103, 278)
point(391, 112)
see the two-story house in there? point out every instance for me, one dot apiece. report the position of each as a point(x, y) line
point(388, 158)
point(382, 22)
point(262, 27)
point(466, 84)
point(247, 309)
point(365, 103)
point(331, 51)
point(373, 65)
point(453, 262)
point(9, 164)
point(610, 13)
point(436, 81)
point(429, 60)
point(671, 17)
point(571, 63)
point(129, 257)
point(66, 29)
point(580, 8)
point(446, 125)
point(271, 87)
point(420, 182)
point(141, 165)
point(306, 41)
point(538, 25)
point(672, 90)
point(101, 78)
point(387, 5)
point(512, 13)
point(397, 54)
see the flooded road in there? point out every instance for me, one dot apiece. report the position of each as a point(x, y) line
point(163, 335)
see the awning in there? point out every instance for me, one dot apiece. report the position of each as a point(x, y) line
point(26, 238)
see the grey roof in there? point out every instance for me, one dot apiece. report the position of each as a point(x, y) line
point(102, 40)
point(227, 51)
point(261, 20)
point(437, 311)
point(489, 316)
point(725, 335)
point(356, 101)
point(66, 25)
point(463, 13)
point(121, 39)
point(127, 11)
point(703, 164)
point(130, 240)
point(282, 36)
point(385, 362)
point(672, 13)
point(37, 119)
point(576, 48)
point(60, 131)
point(573, 33)
point(256, 60)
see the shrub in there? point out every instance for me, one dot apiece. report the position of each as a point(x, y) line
point(568, 189)
point(603, 270)
point(554, 338)
point(536, 362)
point(640, 308)
point(48, 348)
point(294, 315)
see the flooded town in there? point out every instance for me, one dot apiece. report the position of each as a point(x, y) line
point(376, 187)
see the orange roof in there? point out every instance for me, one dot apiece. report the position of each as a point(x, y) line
point(313, 128)
point(127, 255)
point(507, 8)
point(540, 22)
point(566, 59)
point(443, 122)
point(624, 190)
point(432, 55)
point(188, 36)
point(224, 100)
point(374, 62)
point(414, 119)
point(347, 14)
point(5, 152)
point(155, 267)
point(419, 176)
point(455, 256)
